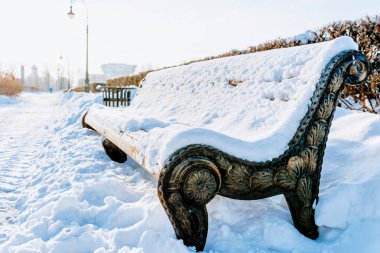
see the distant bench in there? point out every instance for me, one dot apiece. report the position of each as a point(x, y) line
point(245, 127)
point(117, 96)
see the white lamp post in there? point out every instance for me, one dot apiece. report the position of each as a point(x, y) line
point(71, 15)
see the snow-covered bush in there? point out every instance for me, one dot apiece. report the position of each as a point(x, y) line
point(133, 80)
point(366, 32)
point(9, 85)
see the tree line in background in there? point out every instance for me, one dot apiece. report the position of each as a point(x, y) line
point(10, 85)
point(365, 32)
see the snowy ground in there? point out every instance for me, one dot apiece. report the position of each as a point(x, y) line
point(60, 192)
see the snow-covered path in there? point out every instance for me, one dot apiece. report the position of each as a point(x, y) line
point(23, 132)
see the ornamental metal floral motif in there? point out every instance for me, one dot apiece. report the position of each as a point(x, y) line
point(185, 189)
point(199, 186)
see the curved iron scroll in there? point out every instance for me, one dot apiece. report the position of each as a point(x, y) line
point(193, 175)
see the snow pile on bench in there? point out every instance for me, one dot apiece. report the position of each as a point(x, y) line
point(194, 104)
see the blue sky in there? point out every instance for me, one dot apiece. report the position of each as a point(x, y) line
point(155, 32)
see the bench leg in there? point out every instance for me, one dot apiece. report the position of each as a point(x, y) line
point(114, 152)
point(184, 189)
point(300, 202)
point(84, 125)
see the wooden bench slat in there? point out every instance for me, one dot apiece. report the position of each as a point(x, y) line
point(121, 141)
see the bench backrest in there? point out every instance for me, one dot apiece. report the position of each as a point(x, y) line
point(271, 94)
point(265, 113)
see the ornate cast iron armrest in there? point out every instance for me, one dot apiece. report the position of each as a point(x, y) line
point(193, 175)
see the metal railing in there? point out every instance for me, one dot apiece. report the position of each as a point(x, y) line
point(117, 96)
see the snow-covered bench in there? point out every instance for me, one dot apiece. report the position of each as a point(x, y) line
point(244, 127)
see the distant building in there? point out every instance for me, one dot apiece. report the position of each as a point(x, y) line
point(111, 71)
point(96, 78)
point(33, 79)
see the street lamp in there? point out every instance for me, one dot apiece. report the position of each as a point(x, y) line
point(71, 15)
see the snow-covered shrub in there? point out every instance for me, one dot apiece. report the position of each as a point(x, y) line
point(9, 85)
point(133, 80)
point(366, 32)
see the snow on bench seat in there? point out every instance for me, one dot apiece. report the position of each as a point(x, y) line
point(194, 104)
